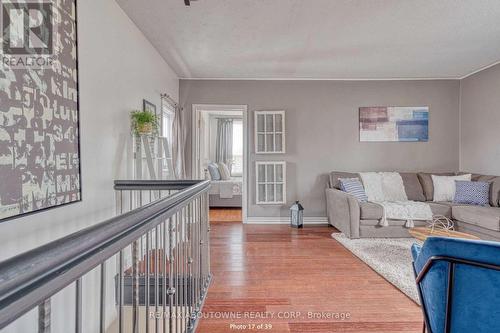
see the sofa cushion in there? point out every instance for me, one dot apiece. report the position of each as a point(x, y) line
point(374, 211)
point(370, 211)
point(486, 217)
point(427, 185)
point(336, 175)
point(494, 188)
point(440, 209)
point(412, 186)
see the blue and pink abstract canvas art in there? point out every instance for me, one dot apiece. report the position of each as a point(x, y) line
point(394, 123)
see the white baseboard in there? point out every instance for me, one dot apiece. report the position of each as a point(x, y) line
point(285, 220)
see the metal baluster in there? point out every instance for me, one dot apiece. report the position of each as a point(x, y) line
point(157, 264)
point(135, 288)
point(78, 306)
point(195, 256)
point(202, 247)
point(142, 264)
point(177, 322)
point(147, 296)
point(120, 275)
point(183, 269)
point(192, 266)
point(193, 259)
point(171, 290)
point(142, 276)
point(44, 317)
point(119, 203)
point(207, 212)
point(179, 270)
point(174, 272)
point(200, 244)
point(102, 305)
point(193, 246)
point(130, 202)
point(207, 248)
point(207, 242)
point(164, 279)
point(120, 293)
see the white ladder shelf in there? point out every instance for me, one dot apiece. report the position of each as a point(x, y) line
point(152, 153)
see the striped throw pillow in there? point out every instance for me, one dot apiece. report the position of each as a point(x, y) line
point(354, 187)
point(472, 193)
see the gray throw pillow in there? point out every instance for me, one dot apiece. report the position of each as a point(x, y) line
point(213, 169)
point(412, 185)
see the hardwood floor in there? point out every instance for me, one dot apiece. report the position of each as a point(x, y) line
point(225, 215)
point(276, 271)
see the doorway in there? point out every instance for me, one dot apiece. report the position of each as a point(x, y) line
point(220, 153)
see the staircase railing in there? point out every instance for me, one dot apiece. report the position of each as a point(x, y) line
point(154, 254)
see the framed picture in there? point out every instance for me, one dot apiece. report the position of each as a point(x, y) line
point(39, 112)
point(394, 123)
point(148, 106)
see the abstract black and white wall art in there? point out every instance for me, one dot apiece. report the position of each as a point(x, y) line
point(39, 113)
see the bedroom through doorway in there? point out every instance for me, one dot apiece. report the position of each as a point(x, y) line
point(220, 155)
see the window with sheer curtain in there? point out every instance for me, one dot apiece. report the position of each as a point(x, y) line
point(166, 122)
point(237, 165)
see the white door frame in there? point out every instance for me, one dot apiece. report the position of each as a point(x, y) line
point(195, 159)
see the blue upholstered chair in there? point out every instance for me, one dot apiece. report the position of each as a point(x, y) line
point(458, 282)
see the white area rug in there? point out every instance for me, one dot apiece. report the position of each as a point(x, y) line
point(390, 257)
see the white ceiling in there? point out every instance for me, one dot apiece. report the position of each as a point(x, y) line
point(321, 39)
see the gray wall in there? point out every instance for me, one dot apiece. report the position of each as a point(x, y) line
point(480, 122)
point(322, 129)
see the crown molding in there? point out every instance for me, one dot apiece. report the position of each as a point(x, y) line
point(458, 78)
point(480, 69)
point(316, 79)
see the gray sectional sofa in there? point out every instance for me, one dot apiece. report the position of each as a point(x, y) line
point(361, 219)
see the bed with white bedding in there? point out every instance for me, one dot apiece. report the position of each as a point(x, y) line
point(225, 193)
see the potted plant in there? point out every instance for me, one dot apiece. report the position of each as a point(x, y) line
point(144, 122)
